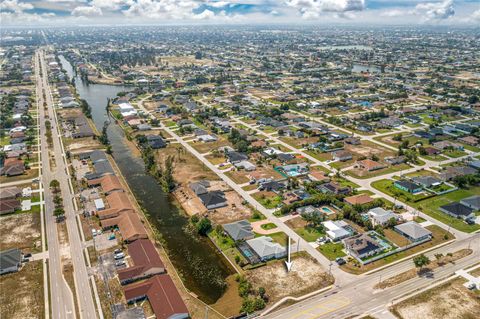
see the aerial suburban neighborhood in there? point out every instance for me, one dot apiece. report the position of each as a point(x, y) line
point(236, 170)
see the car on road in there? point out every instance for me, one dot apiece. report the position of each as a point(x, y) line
point(119, 256)
point(340, 261)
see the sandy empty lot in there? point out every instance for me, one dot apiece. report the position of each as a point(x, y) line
point(21, 293)
point(448, 301)
point(21, 231)
point(305, 276)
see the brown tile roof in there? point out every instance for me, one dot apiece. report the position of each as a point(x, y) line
point(146, 261)
point(129, 224)
point(111, 183)
point(118, 202)
point(359, 199)
point(162, 295)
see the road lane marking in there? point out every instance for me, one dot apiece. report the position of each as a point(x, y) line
point(323, 308)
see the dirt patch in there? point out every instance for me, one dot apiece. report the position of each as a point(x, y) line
point(297, 222)
point(306, 275)
point(22, 231)
point(449, 301)
point(187, 167)
point(21, 293)
point(412, 273)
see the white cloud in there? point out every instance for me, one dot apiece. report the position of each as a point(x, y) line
point(393, 13)
point(111, 4)
point(475, 17)
point(204, 15)
point(87, 11)
point(435, 10)
point(314, 8)
point(162, 9)
point(15, 6)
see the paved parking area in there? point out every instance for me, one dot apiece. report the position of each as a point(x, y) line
point(102, 242)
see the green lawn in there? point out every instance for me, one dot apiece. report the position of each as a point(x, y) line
point(383, 171)
point(332, 250)
point(268, 226)
point(279, 237)
point(319, 155)
point(268, 202)
point(431, 206)
point(310, 234)
point(224, 242)
point(455, 153)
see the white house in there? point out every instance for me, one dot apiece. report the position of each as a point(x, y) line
point(380, 216)
point(266, 249)
point(336, 229)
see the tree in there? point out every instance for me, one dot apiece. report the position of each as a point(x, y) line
point(420, 261)
point(204, 226)
point(55, 185)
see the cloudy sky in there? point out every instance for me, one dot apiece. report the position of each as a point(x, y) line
point(84, 12)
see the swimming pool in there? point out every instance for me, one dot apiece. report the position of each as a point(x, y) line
point(327, 210)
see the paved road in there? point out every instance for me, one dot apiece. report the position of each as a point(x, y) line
point(62, 305)
point(81, 276)
point(358, 297)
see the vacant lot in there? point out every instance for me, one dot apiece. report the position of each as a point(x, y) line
point(305, 276)
point(187, 168)
point(448, 301)
point(21, 293)
point(21, 231)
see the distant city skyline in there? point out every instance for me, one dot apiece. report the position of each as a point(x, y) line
point(382, 12)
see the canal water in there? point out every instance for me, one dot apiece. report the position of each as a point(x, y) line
point(195, 258)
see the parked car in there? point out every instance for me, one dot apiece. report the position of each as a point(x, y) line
point(340, 261)
point(119, 256)
point(471, 286)
point(27, 255)
point(120, 263)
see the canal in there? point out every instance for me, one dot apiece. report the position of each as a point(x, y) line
point(195, 258)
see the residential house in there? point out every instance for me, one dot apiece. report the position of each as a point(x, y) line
point(239, 230)
point(342, 156)
point(145, 259)
point(213, 199)
point(129, 224)
point(380, 216)
point(408, 186)
point(162, 294)
point(472, 202)
point(369, 165)
point(236, 157)
point(9, 206)
point(334, 188)
point(360, 199)
point(10, 193)
point(413, 232)
point(427, 181)
point(266, 248)
point(10, 261)
point(336, 230)
point(451, 172)
point(362, 245)
point(12, 167)
point(457, 210)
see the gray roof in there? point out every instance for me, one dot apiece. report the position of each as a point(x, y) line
point(264, 247)
point(426, 181)
point(239, 230)
point(10, 258)
point(413, 230)
point(472, 202)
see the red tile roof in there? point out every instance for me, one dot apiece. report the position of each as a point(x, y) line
point(146, 261)
point(162, 295)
